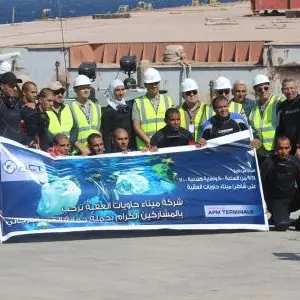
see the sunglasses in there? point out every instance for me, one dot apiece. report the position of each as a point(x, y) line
point(222, 92)
point(61, 91)
point(193, 92)
point(263, 88)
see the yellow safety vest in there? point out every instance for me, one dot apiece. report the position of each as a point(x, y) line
point(234, 107)
point(266, 125)
point(151, 121)
point(197, 123)
point(64, 125)
point(84, 127)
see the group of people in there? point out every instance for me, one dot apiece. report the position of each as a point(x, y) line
point(41, 120)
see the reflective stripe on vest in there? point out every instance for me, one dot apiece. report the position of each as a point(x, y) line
point(234, 107)
point(266, 125)
point(197, 123)
point(64, 125)
point(151, 121)
point(82, 123)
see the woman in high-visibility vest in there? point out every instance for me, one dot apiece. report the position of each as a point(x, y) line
point(191, 111)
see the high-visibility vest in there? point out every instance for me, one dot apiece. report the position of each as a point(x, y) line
point(64, 125)
point(197, 122)
point(151, 121)
point(265, 126)
point(234, 107)
point(84, 127)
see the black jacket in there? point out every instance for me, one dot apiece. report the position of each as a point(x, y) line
point(167, 137)
point(36, 126)
point(10, 120)
point(112, 119)
point(279, 177)
point(217, 127)
point(289, 121)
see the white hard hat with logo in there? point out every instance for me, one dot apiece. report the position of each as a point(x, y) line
point(259, 79)
point(81, 80)
point(189, 84)
point(222, 83)
point(151, 75)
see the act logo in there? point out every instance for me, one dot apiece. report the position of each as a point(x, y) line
point(9, 167)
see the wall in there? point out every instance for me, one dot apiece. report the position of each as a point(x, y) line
point(39, 64)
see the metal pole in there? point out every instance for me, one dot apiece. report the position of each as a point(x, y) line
point(63, 46)
point(13, 16)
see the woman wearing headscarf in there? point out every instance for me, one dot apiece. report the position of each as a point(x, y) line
point(116, 115)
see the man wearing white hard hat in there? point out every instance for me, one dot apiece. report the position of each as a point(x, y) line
point(148, 112)
point(223, 87)
point(191, 111)
point(60, 116)
point(86, 114)
point(263, 117)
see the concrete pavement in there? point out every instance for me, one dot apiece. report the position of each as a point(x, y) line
point(167, 25)
point(238, 265)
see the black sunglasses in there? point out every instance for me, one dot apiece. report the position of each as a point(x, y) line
point(221, 92)
point(189, 93)
point(60, 91)
point(263, 88)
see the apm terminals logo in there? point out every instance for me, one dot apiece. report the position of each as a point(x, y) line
point(11, 167)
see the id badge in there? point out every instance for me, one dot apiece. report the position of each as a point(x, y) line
point(191, 128)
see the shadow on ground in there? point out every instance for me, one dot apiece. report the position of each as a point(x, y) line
point(288, 256)
point(88, 235)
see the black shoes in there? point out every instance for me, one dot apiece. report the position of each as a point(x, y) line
point(282, 226)
point(297, 224)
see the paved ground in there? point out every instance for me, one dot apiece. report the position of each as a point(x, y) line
point(182, 24)
point(244, 265)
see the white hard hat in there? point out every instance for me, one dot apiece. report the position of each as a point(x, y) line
point(222, 83)
point(5, 67)
point(259, 79)
point(81, 80)
point(189, 84)
point(151, 75)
